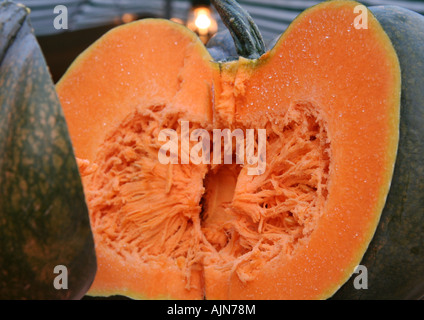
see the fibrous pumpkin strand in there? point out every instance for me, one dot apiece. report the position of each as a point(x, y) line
point(277, 211)
point(225, 218)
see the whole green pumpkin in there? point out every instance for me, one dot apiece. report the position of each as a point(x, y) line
point(46, 244)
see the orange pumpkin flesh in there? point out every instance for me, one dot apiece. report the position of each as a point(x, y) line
point(327, 94)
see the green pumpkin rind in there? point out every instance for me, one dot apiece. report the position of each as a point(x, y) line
point(43, 214)
point(395, 257)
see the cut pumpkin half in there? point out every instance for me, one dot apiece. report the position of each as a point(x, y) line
point(328, 97)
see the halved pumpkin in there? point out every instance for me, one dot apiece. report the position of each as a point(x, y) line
point(328, 96)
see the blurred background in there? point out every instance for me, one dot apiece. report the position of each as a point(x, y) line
point(87, 20)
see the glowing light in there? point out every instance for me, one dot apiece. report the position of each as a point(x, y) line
point(203, 21)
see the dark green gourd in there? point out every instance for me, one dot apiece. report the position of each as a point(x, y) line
point(43, 215)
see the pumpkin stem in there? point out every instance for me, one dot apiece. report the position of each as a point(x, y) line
point(247, 38)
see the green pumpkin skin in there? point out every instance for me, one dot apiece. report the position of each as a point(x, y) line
point(43, 215)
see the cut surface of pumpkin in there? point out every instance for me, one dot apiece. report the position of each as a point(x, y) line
point(328, 97)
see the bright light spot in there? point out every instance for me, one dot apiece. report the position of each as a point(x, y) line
point(203, 21)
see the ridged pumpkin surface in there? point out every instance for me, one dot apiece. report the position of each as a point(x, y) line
point(44, 219)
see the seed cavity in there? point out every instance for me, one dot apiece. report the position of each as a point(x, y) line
point(208, 215)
